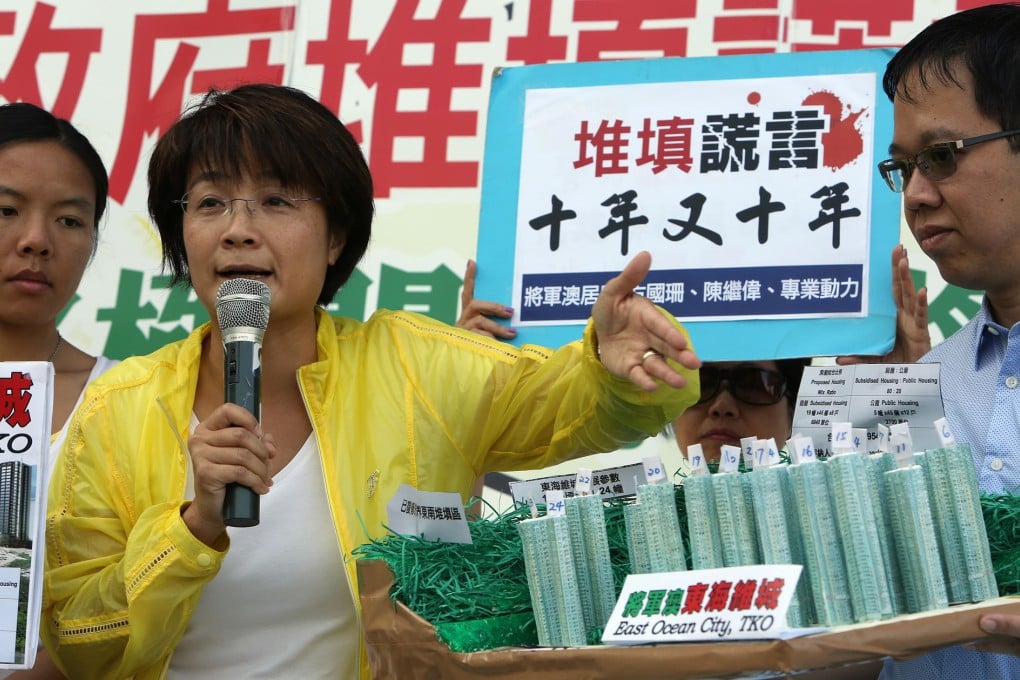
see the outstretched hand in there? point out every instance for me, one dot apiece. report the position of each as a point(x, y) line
point(912, 338)
point(474, 314)
point(634, 336)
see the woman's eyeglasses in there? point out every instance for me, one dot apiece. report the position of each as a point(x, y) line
point(749, 384)
point(936, 162)
point(212, 208)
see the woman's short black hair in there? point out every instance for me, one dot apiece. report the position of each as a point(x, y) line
point(24, 122)
point(254, 130)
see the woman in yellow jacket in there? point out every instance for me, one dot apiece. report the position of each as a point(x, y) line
point(143, 577)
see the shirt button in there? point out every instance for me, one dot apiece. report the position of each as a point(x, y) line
point(1012, 382)
point(204, 560)
point(996, 464)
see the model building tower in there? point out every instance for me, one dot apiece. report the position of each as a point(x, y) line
point(15, 485)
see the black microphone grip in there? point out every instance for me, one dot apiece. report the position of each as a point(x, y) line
point(242, 371)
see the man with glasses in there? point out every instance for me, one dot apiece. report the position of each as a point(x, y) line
point(956, 160)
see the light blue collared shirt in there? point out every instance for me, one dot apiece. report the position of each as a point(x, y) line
point(980, 379)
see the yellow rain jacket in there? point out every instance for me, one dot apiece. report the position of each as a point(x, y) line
point(399, 399)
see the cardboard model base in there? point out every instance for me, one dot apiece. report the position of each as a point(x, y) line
point(403, 645)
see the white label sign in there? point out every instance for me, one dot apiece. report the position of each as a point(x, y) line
point(732, 603)
point(869, 395)
point(434, 515)
point(609, 483)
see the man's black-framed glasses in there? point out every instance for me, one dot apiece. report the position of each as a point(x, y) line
point(749, 384)
point(936, 162)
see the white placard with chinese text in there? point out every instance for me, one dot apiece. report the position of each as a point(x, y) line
point(608, 483)
point(732, 603)
point(869, 395)
point(752, 183)
point(433, 515)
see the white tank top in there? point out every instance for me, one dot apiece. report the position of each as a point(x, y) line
point(281, 606)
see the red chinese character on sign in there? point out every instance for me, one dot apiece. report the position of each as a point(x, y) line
point(539, 46)
point(719, 596)
point(743, 595)
point(334, 54)
point(610, 145)
point(14, 398)
point(150, 114)
point(668, 144)
point(695, 597)
point(878, 15)
point(843, 21)
point(769, 592)
point(754, 25)
point(629, 36)
point(22, 81)
point(417, 58)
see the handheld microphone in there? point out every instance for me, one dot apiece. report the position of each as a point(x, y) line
point(242, 310)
